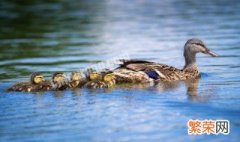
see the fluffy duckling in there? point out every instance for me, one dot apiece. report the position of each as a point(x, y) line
point(59, 81)
point(109, 80)
point(76, 80)
point(93, 79)
point(37, 83)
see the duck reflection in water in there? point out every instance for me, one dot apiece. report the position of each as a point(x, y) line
point(191, 86)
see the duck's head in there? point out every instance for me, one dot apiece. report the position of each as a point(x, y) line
point(194, 46)
point(58, 77)
point(94, 75)
point(37, 78)
point(109, 77)
point(75, 76)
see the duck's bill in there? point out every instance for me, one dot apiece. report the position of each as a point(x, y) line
point(211, 53)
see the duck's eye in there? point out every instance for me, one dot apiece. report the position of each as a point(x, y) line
point(42, 78)
point(199, 44)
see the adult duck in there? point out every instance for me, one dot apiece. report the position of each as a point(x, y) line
point(138, 71)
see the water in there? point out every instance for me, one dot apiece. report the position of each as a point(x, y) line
point(71, 35)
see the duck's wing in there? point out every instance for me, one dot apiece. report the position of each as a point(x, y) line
point(125, 62)
point(164, 72)
point(153, 70)
point(135, 65)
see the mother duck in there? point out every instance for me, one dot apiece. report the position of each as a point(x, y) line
point(138, 71)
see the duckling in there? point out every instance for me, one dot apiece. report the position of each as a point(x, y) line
point(59, 81)
point(37, 83)
point(76, 81)
point(94, 79)
point(109, 80)
point(145, 71)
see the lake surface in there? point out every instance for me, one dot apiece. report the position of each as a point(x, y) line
point(65, 36)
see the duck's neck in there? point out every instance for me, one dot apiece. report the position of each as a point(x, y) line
point(190, 61)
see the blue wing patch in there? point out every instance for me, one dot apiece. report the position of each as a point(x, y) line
point(153, 74)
